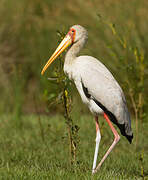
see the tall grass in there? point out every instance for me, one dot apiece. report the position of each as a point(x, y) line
point(28, 37)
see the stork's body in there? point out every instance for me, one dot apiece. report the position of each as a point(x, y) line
point(96, 86)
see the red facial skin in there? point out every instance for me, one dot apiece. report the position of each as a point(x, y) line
point(72, 34)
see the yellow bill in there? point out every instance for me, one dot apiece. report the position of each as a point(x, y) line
point(67, 41)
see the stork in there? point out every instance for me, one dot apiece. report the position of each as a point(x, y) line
point(96, 86)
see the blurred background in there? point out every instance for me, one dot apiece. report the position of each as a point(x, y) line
point(28, 35)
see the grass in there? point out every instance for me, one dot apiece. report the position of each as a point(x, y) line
point(26, 154)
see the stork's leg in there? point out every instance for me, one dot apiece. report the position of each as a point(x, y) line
point(116, 139)
point(98, 138)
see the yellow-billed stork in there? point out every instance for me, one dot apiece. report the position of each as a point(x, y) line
point(96, 86)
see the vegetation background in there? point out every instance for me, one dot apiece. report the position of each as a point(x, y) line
point(33, 130)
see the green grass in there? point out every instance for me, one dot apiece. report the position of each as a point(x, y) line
point(26, 154)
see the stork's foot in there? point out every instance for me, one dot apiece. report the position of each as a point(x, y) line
point(95, 170)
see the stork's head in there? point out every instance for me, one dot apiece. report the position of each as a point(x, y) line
point(75, 34)
point(78, 32)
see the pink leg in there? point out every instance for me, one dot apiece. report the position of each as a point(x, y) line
point(116, 139)
point(97, 123)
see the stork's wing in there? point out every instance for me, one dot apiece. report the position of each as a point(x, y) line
point(101, 86)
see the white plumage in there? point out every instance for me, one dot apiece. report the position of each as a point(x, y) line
point(96, 86)
point(101, 85)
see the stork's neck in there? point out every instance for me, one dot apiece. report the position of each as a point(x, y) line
point(74, 51)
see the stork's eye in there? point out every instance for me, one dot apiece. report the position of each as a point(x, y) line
point(73, 31)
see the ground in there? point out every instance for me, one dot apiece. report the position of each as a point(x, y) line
point(33, 148)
